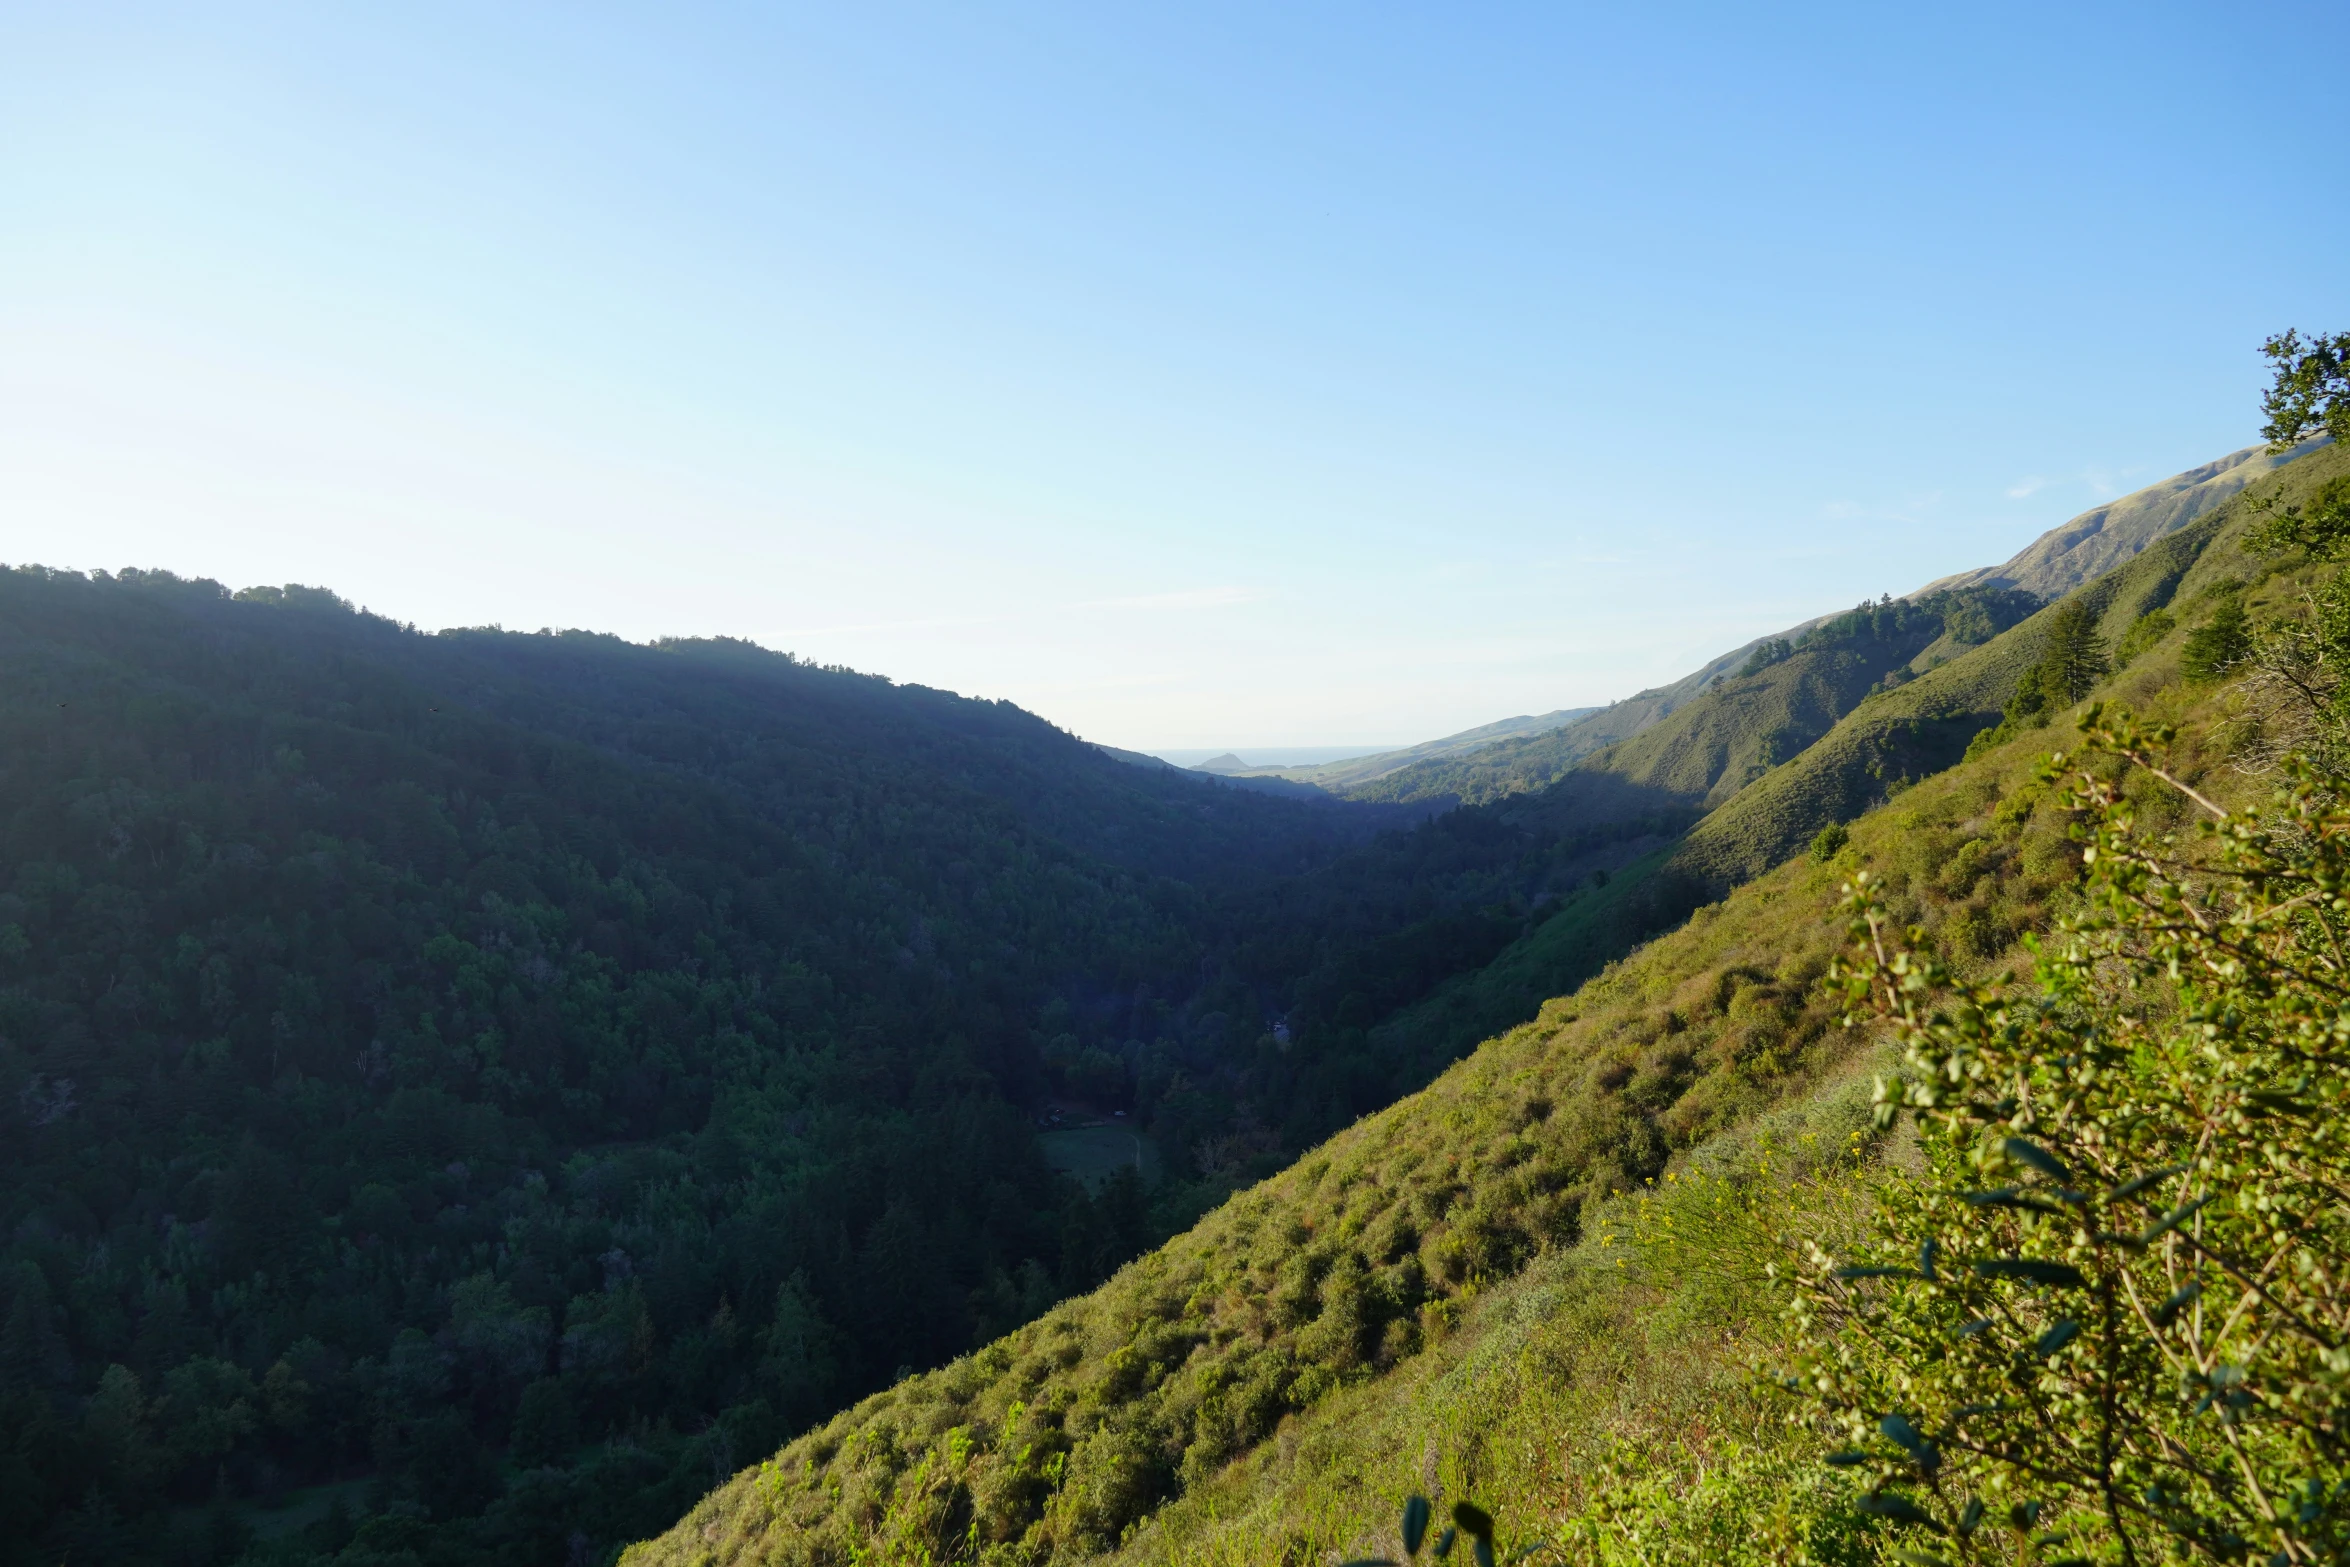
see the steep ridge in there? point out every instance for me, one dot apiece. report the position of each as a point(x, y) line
point(2103, 537)
point(1784, 698)
point(2053, 564)
point(1923, 727)
point(1341, 1291)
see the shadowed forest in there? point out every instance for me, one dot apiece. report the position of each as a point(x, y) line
point(535, 1075)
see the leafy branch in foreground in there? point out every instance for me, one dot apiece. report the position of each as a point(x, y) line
point(1469, 1522)
point(2308, 394)
point(2111, 1320)
point(2310, 388)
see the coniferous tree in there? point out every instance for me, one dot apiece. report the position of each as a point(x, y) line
point(2074, 658)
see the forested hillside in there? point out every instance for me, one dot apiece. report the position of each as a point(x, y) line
point(529, 1076)
point(1466, 1292)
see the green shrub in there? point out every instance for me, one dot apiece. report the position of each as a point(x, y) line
point(2144, 632)
point(2108, 1318)
point(2223, 639)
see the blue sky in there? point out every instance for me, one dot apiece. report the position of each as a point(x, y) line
point(1194, 375)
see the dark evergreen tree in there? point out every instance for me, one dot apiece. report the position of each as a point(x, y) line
point(2073, 657)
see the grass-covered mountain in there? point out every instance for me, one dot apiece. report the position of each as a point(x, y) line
point(1526, 762)
point(526, 1076)
point(1917, 718)
point(2053, 564)
point(1473, 1290)
point(2103, 537)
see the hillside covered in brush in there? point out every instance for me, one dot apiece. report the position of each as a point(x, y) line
point(1540, 1282)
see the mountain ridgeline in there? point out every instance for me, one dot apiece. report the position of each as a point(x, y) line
point(475, 1093)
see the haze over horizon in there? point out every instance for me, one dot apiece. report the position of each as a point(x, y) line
point(1202, 381)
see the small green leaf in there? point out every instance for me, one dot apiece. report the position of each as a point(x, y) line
point(2039, 1158)
point(2030, 1270)
point(2138, 1183)
point(1415, 1523)
point(2009, 1197)
point(2176, 1217)
point(1970, 1518)
point(1898, 1508)
point(1901, 1432)
point(1923, 1453)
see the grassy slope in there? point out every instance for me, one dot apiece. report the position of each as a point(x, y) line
point(1870, 754)
point(1281, 1370)
point(1337, 1272)
point(1924, 726)
point(1607, 1395)
point(1719, 742)
point(1602, 1397)
point(1527, 762)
